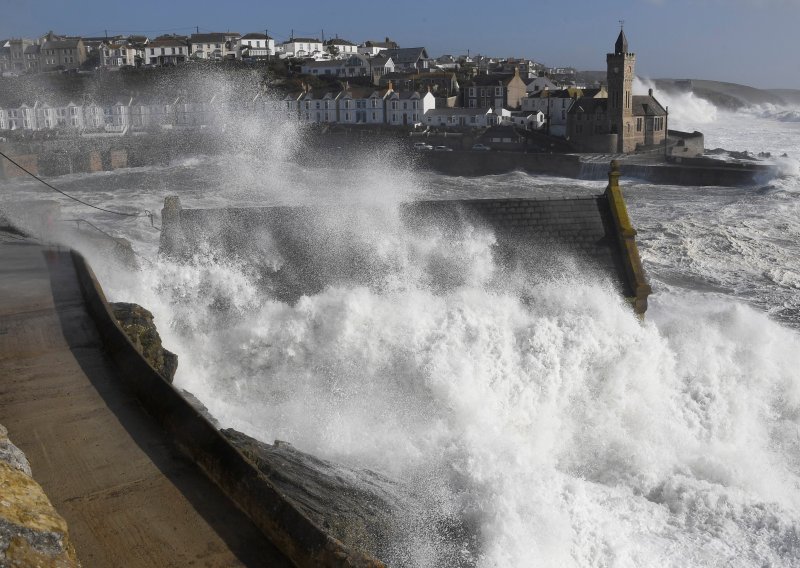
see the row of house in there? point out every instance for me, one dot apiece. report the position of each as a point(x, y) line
point(54, 52)
point(348, 106)
point(130, 114)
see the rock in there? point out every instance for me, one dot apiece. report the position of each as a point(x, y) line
point(11, 454)
point(358, 507)
point(32, 533)
point(138, 325)
point(384, 518)
point(199, 407)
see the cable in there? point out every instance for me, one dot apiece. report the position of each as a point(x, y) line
point(34, 176)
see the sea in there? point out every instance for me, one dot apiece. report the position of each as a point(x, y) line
point(534, 406)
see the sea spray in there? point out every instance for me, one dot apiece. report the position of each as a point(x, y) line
point(534, 405)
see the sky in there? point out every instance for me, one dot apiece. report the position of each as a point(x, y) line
point(753, 42)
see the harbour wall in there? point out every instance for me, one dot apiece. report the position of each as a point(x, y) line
point(62, 156)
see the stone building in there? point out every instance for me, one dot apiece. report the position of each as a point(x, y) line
point(622, 122)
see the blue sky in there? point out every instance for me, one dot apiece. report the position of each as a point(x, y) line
point(753, 42)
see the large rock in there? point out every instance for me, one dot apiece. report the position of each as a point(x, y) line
point(138, 325)
point(358, 507)
point(11, 454)
point(384, 518)
point(32, 533)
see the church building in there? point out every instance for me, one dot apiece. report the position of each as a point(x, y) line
point(623, 122)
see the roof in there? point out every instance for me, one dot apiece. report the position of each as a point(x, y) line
point(589, 105)
point(647, 105)
point(167, 42)
point(302, 39)
point(388, 44)
point(358, 92)
point(33, 49)
point(406, 55)
point(380, 60)
point(621, 46)
point(337, 41)
point(69, 43)
point(256, 36)
point(214, 37)
point(493, 79)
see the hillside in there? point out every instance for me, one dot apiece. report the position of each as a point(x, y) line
point(725, 95)
point(790, 96)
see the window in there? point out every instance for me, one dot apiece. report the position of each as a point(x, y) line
point(639, 124)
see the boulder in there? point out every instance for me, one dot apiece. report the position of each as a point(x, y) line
point(32, 533)
point(357, 507)
point(137, 323)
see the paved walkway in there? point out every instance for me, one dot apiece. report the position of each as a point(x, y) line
point(129, 497)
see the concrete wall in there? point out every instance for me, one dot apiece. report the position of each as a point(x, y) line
point(467, 163)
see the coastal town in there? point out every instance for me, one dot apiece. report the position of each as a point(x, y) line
point(505, 103)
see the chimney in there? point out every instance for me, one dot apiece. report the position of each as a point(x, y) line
point(391, 86)
point(650, 92)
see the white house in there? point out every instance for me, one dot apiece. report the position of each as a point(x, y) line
point(408, 108)
point(153, 113)
point(214, 46)
point(362, 105)
point(93, 116)
point(256, 46)
point(196, 113)
point(22, 117)
point(117, 115)
point(317, 107)
point(117, 55)
point(166, 51)
point(528, 120)
point(353, 66)
point(302, 47)
point(458, 117)
point(340, 48)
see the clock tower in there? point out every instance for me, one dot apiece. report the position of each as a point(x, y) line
point(620, 94)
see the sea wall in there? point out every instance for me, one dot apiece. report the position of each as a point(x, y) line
point(469, 163)
point(59, 156)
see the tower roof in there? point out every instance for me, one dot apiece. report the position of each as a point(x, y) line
point(621, 47)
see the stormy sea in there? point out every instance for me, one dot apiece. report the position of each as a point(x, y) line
point(536, 406)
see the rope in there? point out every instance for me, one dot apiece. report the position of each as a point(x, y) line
point(65, 194)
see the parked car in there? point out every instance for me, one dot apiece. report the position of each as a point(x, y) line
point(443, 149)
point(480, 148)
point(422, 146)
